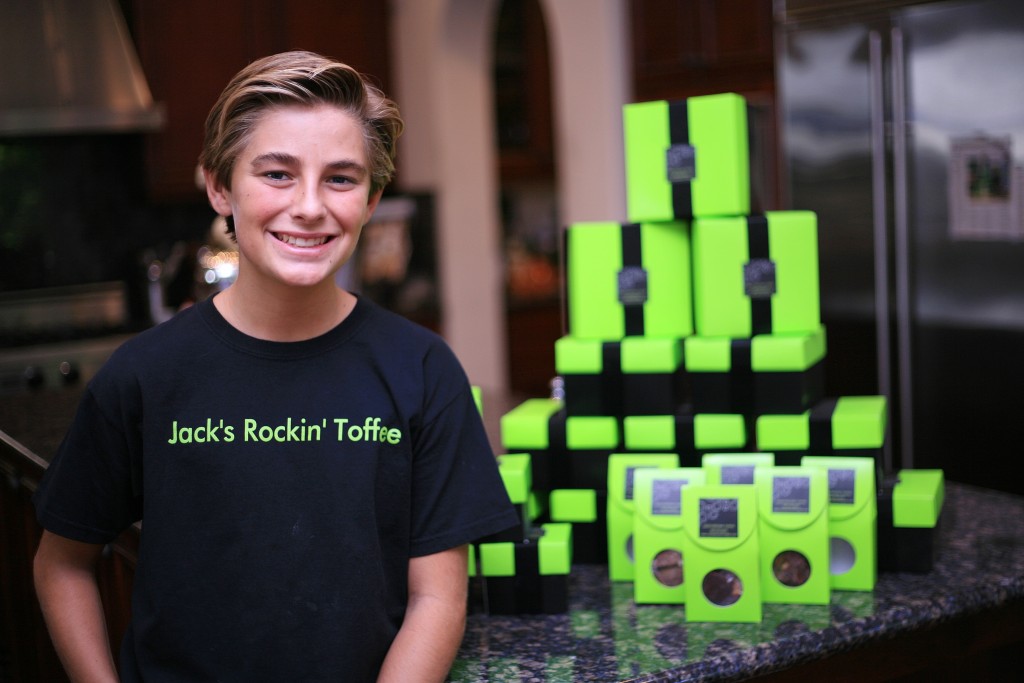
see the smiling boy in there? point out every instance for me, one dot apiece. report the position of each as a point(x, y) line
point(334, 555)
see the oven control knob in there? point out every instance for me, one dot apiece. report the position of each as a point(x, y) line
point(33, 376)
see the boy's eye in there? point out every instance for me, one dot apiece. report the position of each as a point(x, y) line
point(276, 175)
point(341, 180)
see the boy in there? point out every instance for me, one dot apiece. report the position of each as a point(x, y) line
point(307, 466)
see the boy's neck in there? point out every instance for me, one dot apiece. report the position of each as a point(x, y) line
point(294, 316)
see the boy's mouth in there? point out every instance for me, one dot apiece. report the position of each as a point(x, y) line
point(302, 241)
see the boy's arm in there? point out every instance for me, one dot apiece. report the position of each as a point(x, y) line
point(65, 580)
point(435, 619)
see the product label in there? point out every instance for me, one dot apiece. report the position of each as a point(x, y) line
point(791, 494)
point(681, 163)
point(737, 474)
point(719, 518)
point(666, 496)
point(629, 480)
point(759, 278)
point(632, 286)
point(841, 486)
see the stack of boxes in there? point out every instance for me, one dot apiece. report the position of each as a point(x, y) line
point(691, 407)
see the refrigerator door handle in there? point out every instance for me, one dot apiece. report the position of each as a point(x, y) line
point(883, 341)
point(901, 233)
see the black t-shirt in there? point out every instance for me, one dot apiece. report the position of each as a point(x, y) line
point(282, 489)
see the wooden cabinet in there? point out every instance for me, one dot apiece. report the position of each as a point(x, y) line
point(189, 49)
point(696, 47)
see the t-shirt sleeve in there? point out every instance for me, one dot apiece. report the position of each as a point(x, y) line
point(91, 491)
point(458, 495)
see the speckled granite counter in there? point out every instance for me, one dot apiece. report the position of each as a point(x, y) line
point(607, 637)
point(974, 597)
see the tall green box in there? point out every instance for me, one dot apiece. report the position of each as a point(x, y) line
point(756, 274)
point(660, 567)
point(793, 505)
point(622, 468)
point(722, 552)
point(628, 280)
point(847, 426)
point(909, 514)
point(687, 158)
point(852, 513)
point(537, 426)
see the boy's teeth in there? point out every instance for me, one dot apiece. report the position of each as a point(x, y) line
point(302, 241)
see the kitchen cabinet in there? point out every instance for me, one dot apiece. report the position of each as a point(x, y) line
point(189, 49)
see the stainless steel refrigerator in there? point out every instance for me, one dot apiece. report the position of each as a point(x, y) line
point(902, 125)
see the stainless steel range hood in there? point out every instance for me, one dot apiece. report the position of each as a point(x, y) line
point(68, 67)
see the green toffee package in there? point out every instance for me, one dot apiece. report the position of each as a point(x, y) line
point(529, 577)
point(627, 280)
point(687, 158)
point(722, 551)
point(634, 376)
point(686, 434)
point(793, 529)
point(852, 513)
point(909, 520)
point(621, 505)
point(659, 568)
point(756, 274)
point(847, 426)
point(734, 468)
point(768, 373)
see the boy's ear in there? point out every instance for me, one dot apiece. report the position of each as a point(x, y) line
point(371, 204)
point(217, 194)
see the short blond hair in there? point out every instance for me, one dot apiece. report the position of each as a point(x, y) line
point(304, 79)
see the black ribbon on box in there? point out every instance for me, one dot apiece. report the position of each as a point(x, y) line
point(680, 160)
point(819, 437)
point(759, 275)
point(632, 280)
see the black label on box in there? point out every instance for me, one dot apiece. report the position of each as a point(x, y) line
point(759, 278)
point(841, 486)
point(791, 494)
point(737, 474)
point(681, 163)
point(632, 285)
point(719, 518)
point(666, 496)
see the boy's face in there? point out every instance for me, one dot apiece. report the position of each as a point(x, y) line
point(300, 196)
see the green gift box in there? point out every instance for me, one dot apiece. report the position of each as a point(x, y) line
point(794, 534)
point(659, 569)
point(622, 468)
point(634, 376)
point(687, 158)
point(537, 426)
point(531, 576)
point(628, 280)
point(734, 468)
point(756, 274)
point(768, 373)
point(722, 551)
point(852, 512)
point(848, 426)
point(909, 514)
point(586, 510)
point(686, 434)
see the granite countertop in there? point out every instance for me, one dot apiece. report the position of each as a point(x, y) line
point(605, 636)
